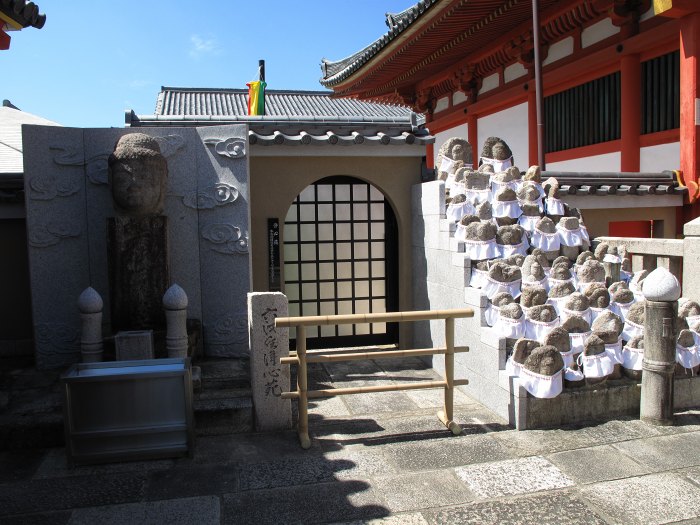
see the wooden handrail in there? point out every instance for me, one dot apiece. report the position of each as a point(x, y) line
point(302, 394)
point(388, 317)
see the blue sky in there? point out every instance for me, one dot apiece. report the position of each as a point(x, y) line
point(96, 58)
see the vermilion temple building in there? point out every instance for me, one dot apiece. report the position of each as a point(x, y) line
point(620, 91)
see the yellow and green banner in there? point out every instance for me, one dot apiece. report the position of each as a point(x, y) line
point(256, 97)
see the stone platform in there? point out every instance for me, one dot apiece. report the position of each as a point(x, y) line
point(380, 459)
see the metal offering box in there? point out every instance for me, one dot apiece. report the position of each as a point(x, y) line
point(128, 410)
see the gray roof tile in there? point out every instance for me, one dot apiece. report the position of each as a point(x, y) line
point(278, 103)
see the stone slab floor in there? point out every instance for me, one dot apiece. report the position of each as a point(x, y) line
point(384, 459)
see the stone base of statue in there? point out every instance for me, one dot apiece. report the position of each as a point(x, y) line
point(138, 271)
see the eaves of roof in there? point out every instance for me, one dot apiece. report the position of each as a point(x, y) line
point(18, 14)
point(335, 72)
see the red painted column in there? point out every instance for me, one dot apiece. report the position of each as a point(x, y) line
point(690, 80)
point(532, 152)
point(473, 139)
point(630, 112)
point(430, 148)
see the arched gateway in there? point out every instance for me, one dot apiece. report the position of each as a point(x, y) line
point(341, 257)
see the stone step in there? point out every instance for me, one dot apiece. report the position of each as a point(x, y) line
point(224, 373)
point(223, 411)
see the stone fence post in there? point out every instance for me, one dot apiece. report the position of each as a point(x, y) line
point(175, 304)
point(691, 259)
point(268, 344)
point(90, 305)
point(661, 291)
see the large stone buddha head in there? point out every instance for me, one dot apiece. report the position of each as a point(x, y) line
point(138, 175)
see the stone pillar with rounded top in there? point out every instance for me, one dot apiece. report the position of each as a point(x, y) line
point(661, 291)
point(90, 305)
point(175, 304)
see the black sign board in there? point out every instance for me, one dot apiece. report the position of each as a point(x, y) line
point(273, 248)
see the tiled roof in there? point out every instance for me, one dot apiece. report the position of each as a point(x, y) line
point(22, 14)
point(11, 120)
point(278, 103)
point(617, 183)
point(336, 71)
point(292, 118)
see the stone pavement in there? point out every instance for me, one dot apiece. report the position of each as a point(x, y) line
point(380, 458)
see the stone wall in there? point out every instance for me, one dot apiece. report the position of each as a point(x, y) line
point(68, 202)
point(441, 278)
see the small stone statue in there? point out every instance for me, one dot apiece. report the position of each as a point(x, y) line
point(496, 153)
point(454, 154)
point(544, 360)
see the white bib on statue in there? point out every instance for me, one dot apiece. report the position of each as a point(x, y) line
point(542, 386)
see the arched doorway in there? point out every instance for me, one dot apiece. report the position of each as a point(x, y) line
point(340, 257)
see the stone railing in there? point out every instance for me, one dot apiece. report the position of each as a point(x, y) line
point(679, 256)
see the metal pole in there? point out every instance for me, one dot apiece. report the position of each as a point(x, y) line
point(261, 70)
point(539, 106)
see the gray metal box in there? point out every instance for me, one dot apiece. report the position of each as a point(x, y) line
point(128, 410)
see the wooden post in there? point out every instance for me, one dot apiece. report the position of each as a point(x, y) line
point(446, 414)
point(302, 387)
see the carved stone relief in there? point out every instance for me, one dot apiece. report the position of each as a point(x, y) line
point(232, 147)
point(216, 195)
point(226, 238)
point(48, 234)
point(46, 187)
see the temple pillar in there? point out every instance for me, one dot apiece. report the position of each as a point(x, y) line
point(630, 113)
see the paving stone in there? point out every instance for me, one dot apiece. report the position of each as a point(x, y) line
point(305, 504)
point(595, 464)
point(327, 407)
point(571, 437)
point(435, 398)
point(191, 481)
point(373, 432)
point(68, 493)
point(204, 510)
point(693, 473)
point(44, 518)
point(55, 465)
point(450, 451)
point(286, 472)
point(511, 477)
point(422, 490)
point(409, 518)
point(664, 452)
point(379, 402)
point(646, 500)
point(559, 508)
point(359, 462)
point(354, 371)
point(248, 448)
point(17, 465)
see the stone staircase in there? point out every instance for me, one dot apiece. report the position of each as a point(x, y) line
point(31, 402)
point(223, 402)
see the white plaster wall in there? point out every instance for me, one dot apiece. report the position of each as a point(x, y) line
point(457, 131)
point(595, 163)
point(458, 97)
point(597, 32)
point(649, 14)
point(514, 71)
point(558, 50)
point(442, 104)
point(510, 125)
point(488, 83)
point(661, 157)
